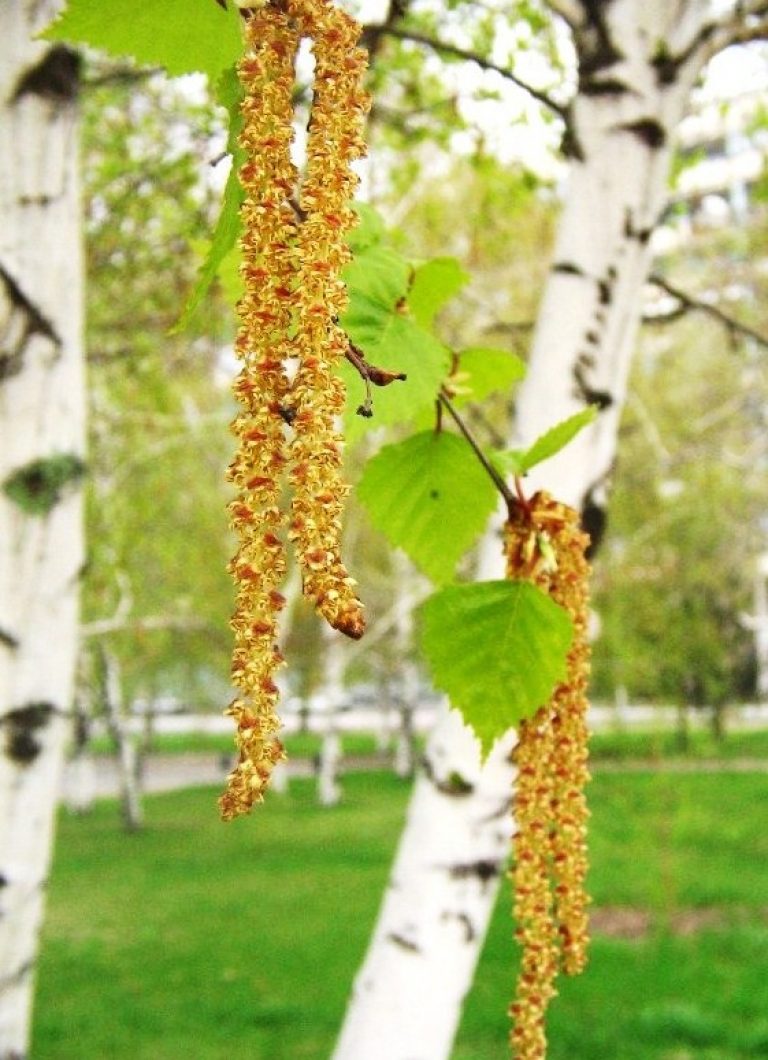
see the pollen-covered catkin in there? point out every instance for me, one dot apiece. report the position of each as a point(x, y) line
point(339, 107)
point(268, 178)
point(544, 544)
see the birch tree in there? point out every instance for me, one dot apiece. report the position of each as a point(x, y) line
point(637, 64)
point(41, 462)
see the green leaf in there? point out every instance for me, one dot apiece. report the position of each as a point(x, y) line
point(520, 461)
point(379, 275)
point(429, 496)
point(184, 36)
point(396, 344)
point(497, 649)
point(377, 280)
point(434, 284)
point(370, 228)
point(487, 370)
point(229, 94)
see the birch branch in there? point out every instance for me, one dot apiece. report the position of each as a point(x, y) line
point(689, 303)
point(446, 48)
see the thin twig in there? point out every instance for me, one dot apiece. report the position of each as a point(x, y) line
point(485, 64)
point(693, 304)
point(510, 499)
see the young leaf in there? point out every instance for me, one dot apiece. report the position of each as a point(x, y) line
point(486, 370)
point(498, 649)
point(369, 230)
point(229, 94)
point(377, 280)
point(429, 496)
point(379, 274)
point(184, 36)
point(520, 461)
point(434, 283)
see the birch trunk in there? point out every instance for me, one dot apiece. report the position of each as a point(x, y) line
point(327, 703)
point(407, 687)
point(42, 412)
point(124, 741)
point(638, 60)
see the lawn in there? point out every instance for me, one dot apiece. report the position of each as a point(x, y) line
point(196, 939)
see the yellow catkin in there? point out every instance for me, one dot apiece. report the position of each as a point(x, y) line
point(545, 545)
point(292, 257)
point(268, 178)
point(335, 140)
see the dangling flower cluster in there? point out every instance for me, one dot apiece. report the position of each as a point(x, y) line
point(335, 140)
point(545, 545)
point(292, 254)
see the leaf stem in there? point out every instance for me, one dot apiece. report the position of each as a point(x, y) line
point(512, 502)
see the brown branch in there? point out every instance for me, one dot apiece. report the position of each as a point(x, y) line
point(373, 34)
point(446, 48)
point(510, 499)
point(689, 303)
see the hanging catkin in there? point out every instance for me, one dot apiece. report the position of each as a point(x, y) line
point(267, 244)
point(292, 256)
point(339, 107)
point(545, 545)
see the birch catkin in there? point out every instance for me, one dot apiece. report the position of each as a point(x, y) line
point(292, 255)
point(545, 545)
point(335, 140)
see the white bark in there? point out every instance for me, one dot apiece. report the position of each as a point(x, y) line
point(408, 995)
point(41, 414)
point(327, 703)
point(79, 785)
point(125, 744)
point(638, 62)
point(408, 673)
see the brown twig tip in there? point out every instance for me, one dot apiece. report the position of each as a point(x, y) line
point(370, 374)
point(381, 377)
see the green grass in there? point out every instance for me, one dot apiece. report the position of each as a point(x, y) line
point(298, 745)
point(664, 744)
point(197, 939)
point(608, 746)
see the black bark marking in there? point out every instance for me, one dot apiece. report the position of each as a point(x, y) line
point(568, 268)
point(604, 292)
point(607, 86)
point(584, 390)
point(594, 510)
point(56, 77)
point(570, 144)
point(3, 880)
point(649, 130)
point(596, 49)
point(8, 639)
point(484, 870)
point(592, 338)
point(470, 934)
point(453, 785)
point(16, 334)
point(403, 942)
point(594, 520)
point(642, 235)
point(22, 724)
point(38, 486)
